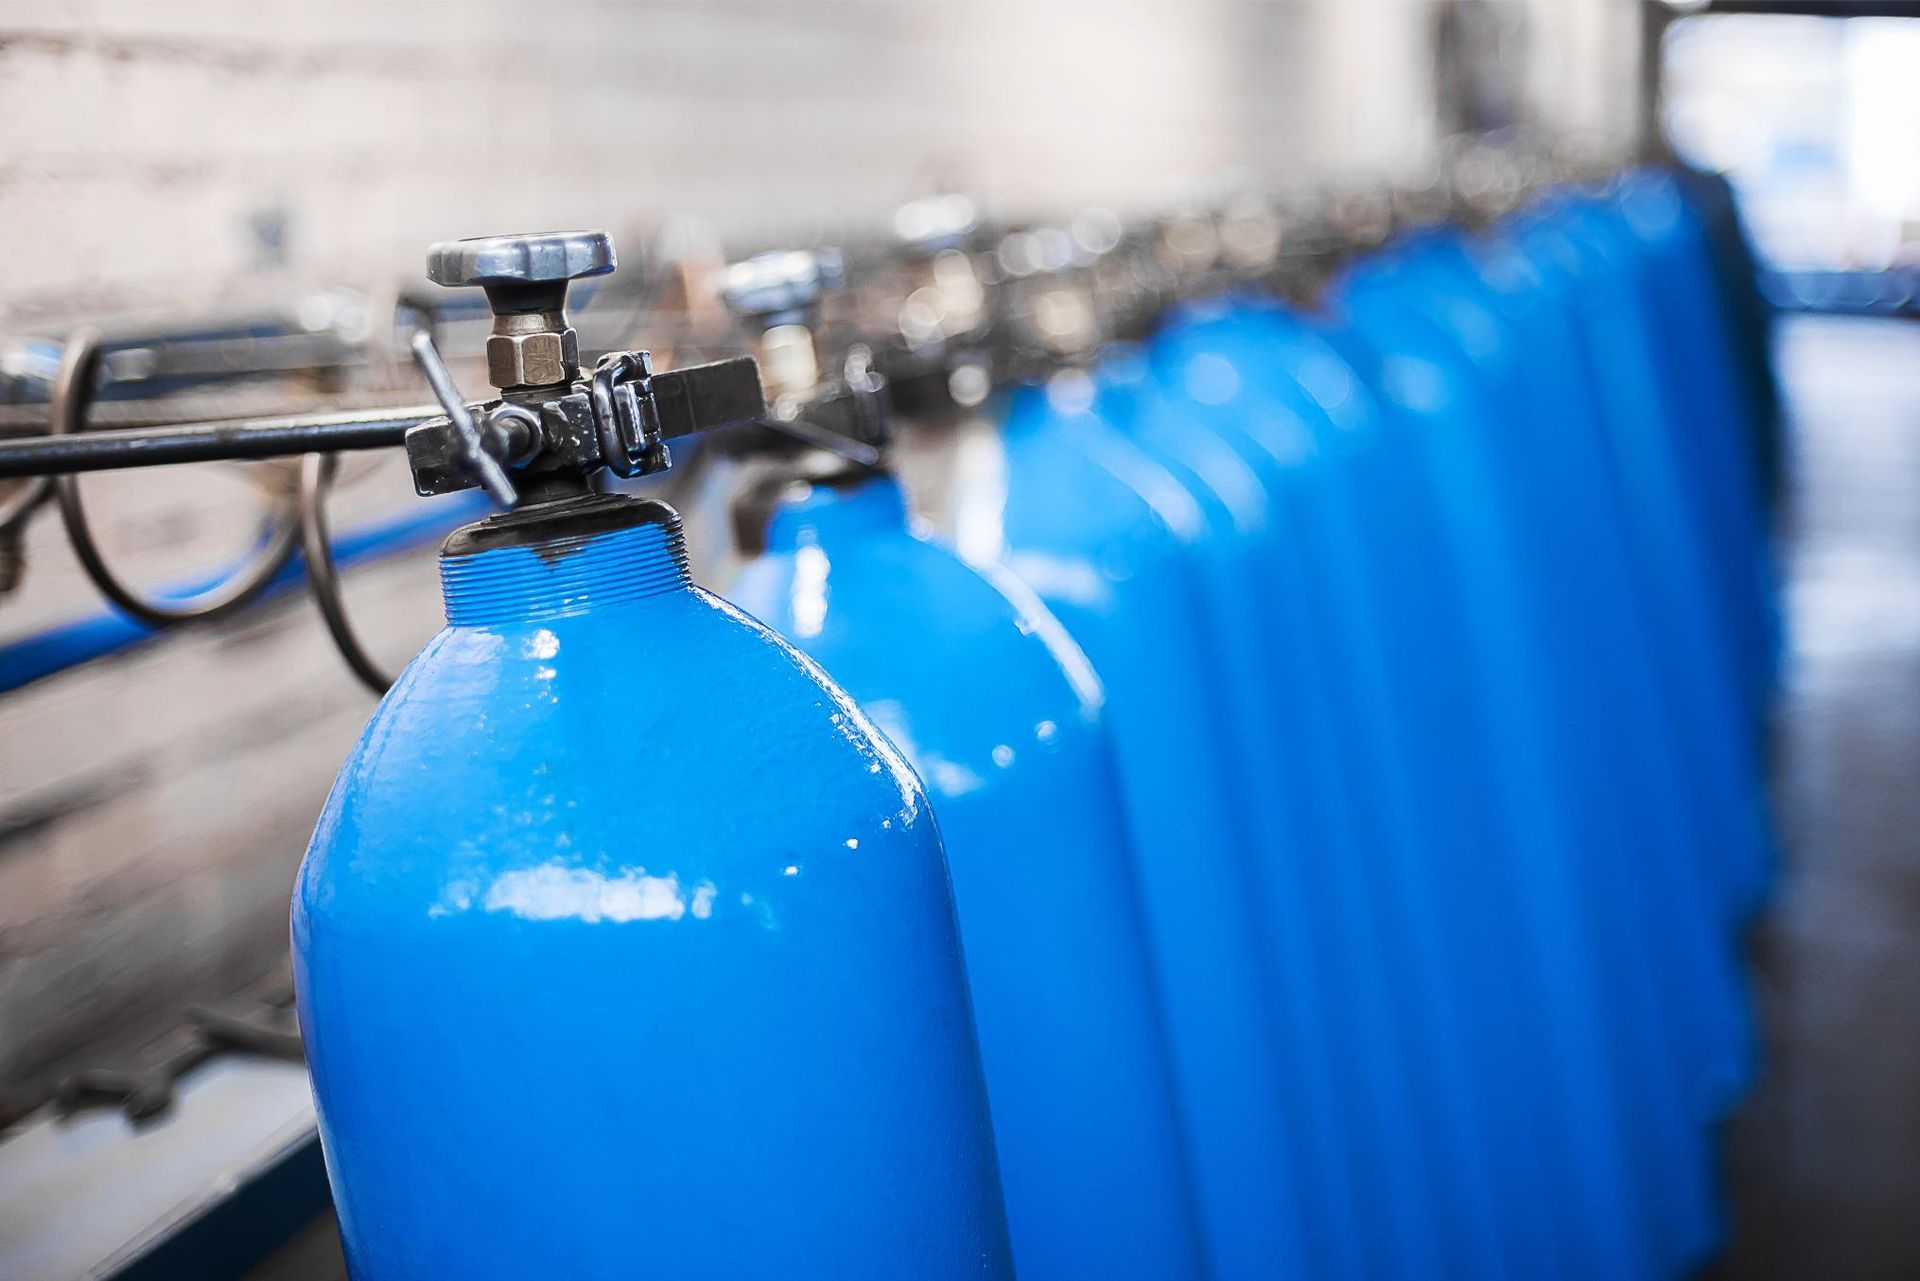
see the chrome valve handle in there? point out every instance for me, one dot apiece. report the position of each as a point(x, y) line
point(525, 278)
point(781, 288)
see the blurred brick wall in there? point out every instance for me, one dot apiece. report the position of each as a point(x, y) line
point(143, 139)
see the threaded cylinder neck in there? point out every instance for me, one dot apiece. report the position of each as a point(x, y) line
point(592, 555)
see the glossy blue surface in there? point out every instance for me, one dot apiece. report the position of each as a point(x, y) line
point(1575, 558)
point(1104, 535)
point(1000, 713)
point(625, 947)
point(1716, 411)
point(1288, 397)
point(1602, 662)
point(1277, 756)
point(1574, 819)
point(1668, 525)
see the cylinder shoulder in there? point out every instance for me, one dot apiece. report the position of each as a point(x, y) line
point(905, 625)
point(684, 741)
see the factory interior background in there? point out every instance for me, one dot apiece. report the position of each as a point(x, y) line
point(184, 163)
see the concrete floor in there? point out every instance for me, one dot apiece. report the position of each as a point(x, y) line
point(1824, 1163)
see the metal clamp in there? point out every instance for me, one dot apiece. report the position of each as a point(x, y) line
point(780, 294)
point(850, 417)
point(620, 419)
point(626, 415)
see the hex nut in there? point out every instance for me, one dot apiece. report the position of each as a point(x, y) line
point(531, 360)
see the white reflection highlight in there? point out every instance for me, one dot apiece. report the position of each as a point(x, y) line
point(1036, 619)
point(948, 778)
point(1061, 578)
point(980, 486)
point(945, 777)
point(1328, 380)
point(1418, 384)
point(809, 604)
point(1212, 379)
point(552, 892)
point(1070, 391)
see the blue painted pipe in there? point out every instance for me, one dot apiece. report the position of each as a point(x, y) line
point(625, 946)
point(109, 632)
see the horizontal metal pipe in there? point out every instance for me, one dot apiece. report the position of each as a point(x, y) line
point(242, 438)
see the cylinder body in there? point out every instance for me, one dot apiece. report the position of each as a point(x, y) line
point(1668, 524)
point(624, 947)
point(1103, 535)
point(1298, 843)
point(1001, 714)
point(1567, 833)
point(1293, 406)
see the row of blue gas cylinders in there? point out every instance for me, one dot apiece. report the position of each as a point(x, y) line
point(1299, 824)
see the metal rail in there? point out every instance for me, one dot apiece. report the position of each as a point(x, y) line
point(246, 439)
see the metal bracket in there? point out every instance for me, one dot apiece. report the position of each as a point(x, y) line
point(850, 419)
point(628, 419)
point(620, 418)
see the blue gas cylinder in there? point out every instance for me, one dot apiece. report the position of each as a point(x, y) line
point(1721, 416)
point(1282, 392)
point(1550, 453)
point(624, 945)
point(1512, 323)
point(1000, 712)
point(1506, 811)
point(1303, 850)
point(1553, 441)
point(1671, 546)
point(1572, 812)
point(1367, 927)
point(1737, 272)
point(1102, 533)
point(1640, 236)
